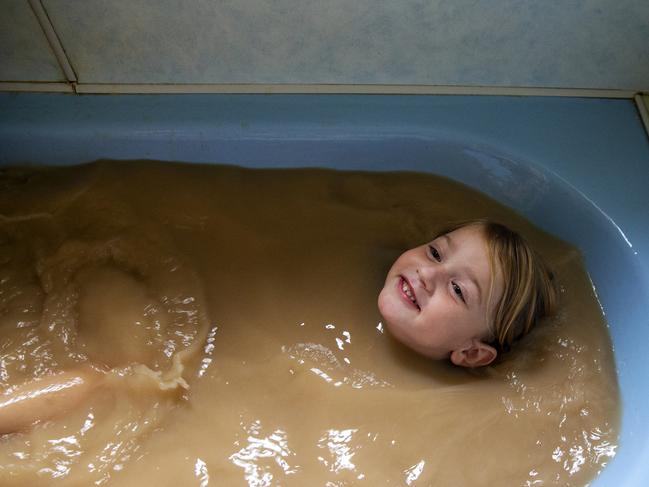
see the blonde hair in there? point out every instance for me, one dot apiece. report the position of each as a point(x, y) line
point(529, 290)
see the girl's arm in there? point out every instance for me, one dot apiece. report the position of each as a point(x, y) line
point(43, 399)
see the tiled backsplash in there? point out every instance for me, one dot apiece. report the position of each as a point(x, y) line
point(600, 44)
point(25, 54)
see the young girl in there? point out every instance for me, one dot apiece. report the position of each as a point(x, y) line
point(467, 295)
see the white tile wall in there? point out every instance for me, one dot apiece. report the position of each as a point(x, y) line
point(25, 54)
point(527, 43)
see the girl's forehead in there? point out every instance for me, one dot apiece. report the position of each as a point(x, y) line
point(465, 239)
point(469, 232)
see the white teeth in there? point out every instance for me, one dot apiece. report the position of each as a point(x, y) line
point(406, 289)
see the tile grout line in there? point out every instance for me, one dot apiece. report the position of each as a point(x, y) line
point(54, 41)
point(261, 88)
point(37, 86)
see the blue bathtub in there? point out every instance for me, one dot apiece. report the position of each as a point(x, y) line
point(578, 168)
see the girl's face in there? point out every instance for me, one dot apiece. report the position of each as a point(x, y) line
point(435, 296)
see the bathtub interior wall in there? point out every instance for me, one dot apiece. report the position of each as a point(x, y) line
point(559, 184)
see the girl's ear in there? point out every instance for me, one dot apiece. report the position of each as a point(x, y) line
point(474, 354)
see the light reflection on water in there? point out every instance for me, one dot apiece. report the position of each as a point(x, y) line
point(338, 444)
point(263, 454)
point(208, 351)
point(325, 363)
point(65, 452)
point(67, 449)
point(418, 428)
point(200, 470)
point(414, 472)
point(564, 403)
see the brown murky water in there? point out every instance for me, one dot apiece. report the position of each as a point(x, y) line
point(211, 325)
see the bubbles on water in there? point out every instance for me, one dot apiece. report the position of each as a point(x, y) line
point(324, 363)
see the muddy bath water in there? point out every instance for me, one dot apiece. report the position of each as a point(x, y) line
point(214, 325)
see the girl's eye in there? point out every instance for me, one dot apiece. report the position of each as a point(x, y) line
point(435, 253)
point(458, 290)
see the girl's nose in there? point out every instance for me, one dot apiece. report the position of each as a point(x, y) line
point(430, 276)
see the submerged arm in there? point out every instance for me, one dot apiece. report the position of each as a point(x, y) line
point(43, 399)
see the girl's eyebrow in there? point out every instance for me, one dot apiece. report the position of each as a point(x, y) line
point(449, 242)
point(476, 283)
point(469, 272)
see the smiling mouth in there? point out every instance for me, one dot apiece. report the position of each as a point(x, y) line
point(407, 292)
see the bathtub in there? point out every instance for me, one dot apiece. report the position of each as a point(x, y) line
point(578, 168)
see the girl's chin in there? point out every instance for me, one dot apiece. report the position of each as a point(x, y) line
point(384, 305)
point(392, 306)
point(405, 337)
point(397, 331)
